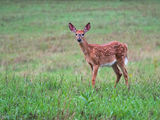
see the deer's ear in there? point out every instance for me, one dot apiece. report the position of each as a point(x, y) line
point(72, 28)
point(87, 27)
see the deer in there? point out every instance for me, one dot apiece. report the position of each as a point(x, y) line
point(112, 54)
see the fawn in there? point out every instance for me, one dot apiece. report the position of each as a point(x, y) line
point(113, 54)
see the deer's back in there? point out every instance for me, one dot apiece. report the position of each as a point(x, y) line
point(107, 53)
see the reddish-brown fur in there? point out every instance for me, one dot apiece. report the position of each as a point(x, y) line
point(97, 55)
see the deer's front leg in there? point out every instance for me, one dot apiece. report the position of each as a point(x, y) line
point(94, 74)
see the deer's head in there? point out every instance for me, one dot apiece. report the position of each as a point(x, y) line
point(79, 33)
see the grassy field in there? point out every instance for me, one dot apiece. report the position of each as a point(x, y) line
point(43, 74)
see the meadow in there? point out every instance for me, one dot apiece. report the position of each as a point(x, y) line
point(43, 73)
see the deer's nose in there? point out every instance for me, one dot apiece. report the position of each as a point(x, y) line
point(79, 39)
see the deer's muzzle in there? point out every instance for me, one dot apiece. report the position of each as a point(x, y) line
point(79, 40)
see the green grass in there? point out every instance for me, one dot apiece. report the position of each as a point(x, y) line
point(43, 74)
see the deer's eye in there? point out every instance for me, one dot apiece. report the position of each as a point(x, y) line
point(82, 34)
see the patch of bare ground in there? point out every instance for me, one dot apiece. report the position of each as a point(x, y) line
point(18, 50)
point(55, 44)
point(16, 44)
point(20, 59)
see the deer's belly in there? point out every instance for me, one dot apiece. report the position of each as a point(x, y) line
point(109, 64)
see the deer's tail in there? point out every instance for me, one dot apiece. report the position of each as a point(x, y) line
point(126, 56)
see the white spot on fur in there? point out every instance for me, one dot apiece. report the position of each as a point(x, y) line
point(108, 64)
point(126, 60)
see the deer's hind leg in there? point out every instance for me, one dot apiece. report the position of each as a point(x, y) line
point(121, 64)
point(118, 73)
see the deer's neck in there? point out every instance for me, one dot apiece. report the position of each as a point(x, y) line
point(84, 47)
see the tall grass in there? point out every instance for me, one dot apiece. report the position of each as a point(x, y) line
point(43, 74)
